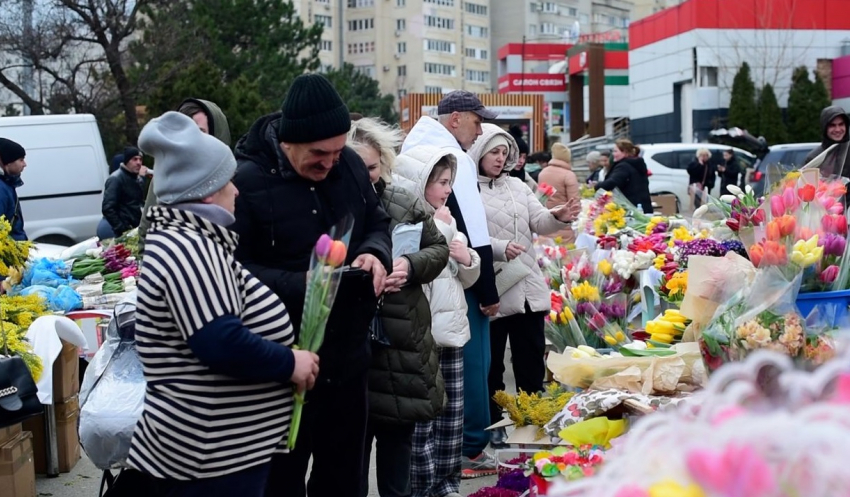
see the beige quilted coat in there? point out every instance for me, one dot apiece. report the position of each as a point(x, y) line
point(449, 325)
point(513, 214)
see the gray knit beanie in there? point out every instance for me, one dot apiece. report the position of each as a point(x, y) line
point(189, 165)
point(313, 111)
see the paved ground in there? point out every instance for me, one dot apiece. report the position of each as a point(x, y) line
point(84, 479)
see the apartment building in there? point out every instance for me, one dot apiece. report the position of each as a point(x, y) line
point(644, 8)
point(547, 22)
point(408, 46)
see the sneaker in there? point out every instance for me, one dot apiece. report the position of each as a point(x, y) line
point(482, 465)
point(498, 438)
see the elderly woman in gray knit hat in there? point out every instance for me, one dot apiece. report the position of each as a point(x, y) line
point(213, 340)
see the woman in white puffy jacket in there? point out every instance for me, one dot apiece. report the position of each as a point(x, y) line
point(437, 444)
point(514, 214)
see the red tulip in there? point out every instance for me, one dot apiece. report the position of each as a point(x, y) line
point(758, 217)
point(806, 192)
point(829, 274)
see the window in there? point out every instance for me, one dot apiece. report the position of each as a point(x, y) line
point(547, 28)
point(572, 11)
point(477, 76)
point(476, 53)
point(444, 3)
point(476, 31)
point(400, 24)
point(550, 7)
point(366, 70)
point(400, 3)
point(401, 47)
point(474, 8)
point(708, 77)
point(402, 71)
point(433, 89)
point(439, 22)
point(361, 24)
point(444, 69)
point(327, 46)
point(323, 1)
point(402, 94)
point(356, 4)
point(439, 46)
point(366, 47)
point(532, 29)
point(323, 20)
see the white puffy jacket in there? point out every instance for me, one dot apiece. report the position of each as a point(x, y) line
point(449, 324)
point(513, 214)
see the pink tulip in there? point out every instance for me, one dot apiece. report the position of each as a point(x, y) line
point(829, 274)
point(777, 206)
point(790, 199)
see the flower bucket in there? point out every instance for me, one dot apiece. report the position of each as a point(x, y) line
point(839, 300)
point(538, 486)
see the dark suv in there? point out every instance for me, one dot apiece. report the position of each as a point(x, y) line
point(778, 161)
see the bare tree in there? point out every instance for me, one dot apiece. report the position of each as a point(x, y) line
point(77, 49)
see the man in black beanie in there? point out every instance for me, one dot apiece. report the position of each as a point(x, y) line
point(297, 179)
point(12, 164)
point(123, 197)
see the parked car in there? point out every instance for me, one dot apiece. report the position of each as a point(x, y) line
point(64, 178)
point(668, 165)
point(779, 160)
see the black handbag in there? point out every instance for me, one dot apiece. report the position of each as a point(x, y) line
point(18, 393)
point(376, 327)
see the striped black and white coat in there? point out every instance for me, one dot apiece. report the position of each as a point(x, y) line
point(197, 421)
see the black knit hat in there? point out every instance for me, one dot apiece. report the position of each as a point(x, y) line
point(10, 151)
point(130, 152)
point(516, 132)
point(312, 111)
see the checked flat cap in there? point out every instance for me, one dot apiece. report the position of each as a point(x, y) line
point(464, 101)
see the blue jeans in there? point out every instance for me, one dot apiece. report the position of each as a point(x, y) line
point(476, 370)
point(104, 230)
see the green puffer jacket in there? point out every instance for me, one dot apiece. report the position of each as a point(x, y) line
point(405, 384)
point(218, 128)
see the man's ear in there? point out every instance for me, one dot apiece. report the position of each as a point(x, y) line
point(455, 120)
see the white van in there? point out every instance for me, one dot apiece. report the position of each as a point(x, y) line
point(63, 181)
point(668, 163)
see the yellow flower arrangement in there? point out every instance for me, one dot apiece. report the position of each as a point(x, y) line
point(659, 261)
point(535, 409)
point(18, 313)
point(612, 219)
point(681, 234)
point(585, 292)
point(13, 254)
point(677, 284)
point(654, 221)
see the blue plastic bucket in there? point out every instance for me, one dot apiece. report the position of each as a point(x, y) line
point(840, 300)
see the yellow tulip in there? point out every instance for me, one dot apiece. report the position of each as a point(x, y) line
point(670, 488)
point(610, 340)
point(620, 336)
point(605, 267)
point(661, 337)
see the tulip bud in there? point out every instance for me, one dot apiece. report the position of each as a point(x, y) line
point(337, 253)
point(323, 246)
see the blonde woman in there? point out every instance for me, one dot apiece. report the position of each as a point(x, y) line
point(701, 173)
point(405, 385)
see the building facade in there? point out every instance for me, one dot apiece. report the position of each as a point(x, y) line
point(408, 46)
point(682, 60)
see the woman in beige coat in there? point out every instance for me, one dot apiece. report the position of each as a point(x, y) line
point(513, 215)
point(559, 174)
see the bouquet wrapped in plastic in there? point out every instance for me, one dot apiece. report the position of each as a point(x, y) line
point(322, 283)
point(762, 316)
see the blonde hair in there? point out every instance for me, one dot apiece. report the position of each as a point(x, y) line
point(703, 151)
point(384, 138)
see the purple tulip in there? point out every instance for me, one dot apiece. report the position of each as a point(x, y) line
point(323, 246)
point(833, 245)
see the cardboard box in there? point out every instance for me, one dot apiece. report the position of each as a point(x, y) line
point(17, 473)
point(67, 437)
point(666, 204)
point(10, 432)
point(66, 373)
point(526, 436)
